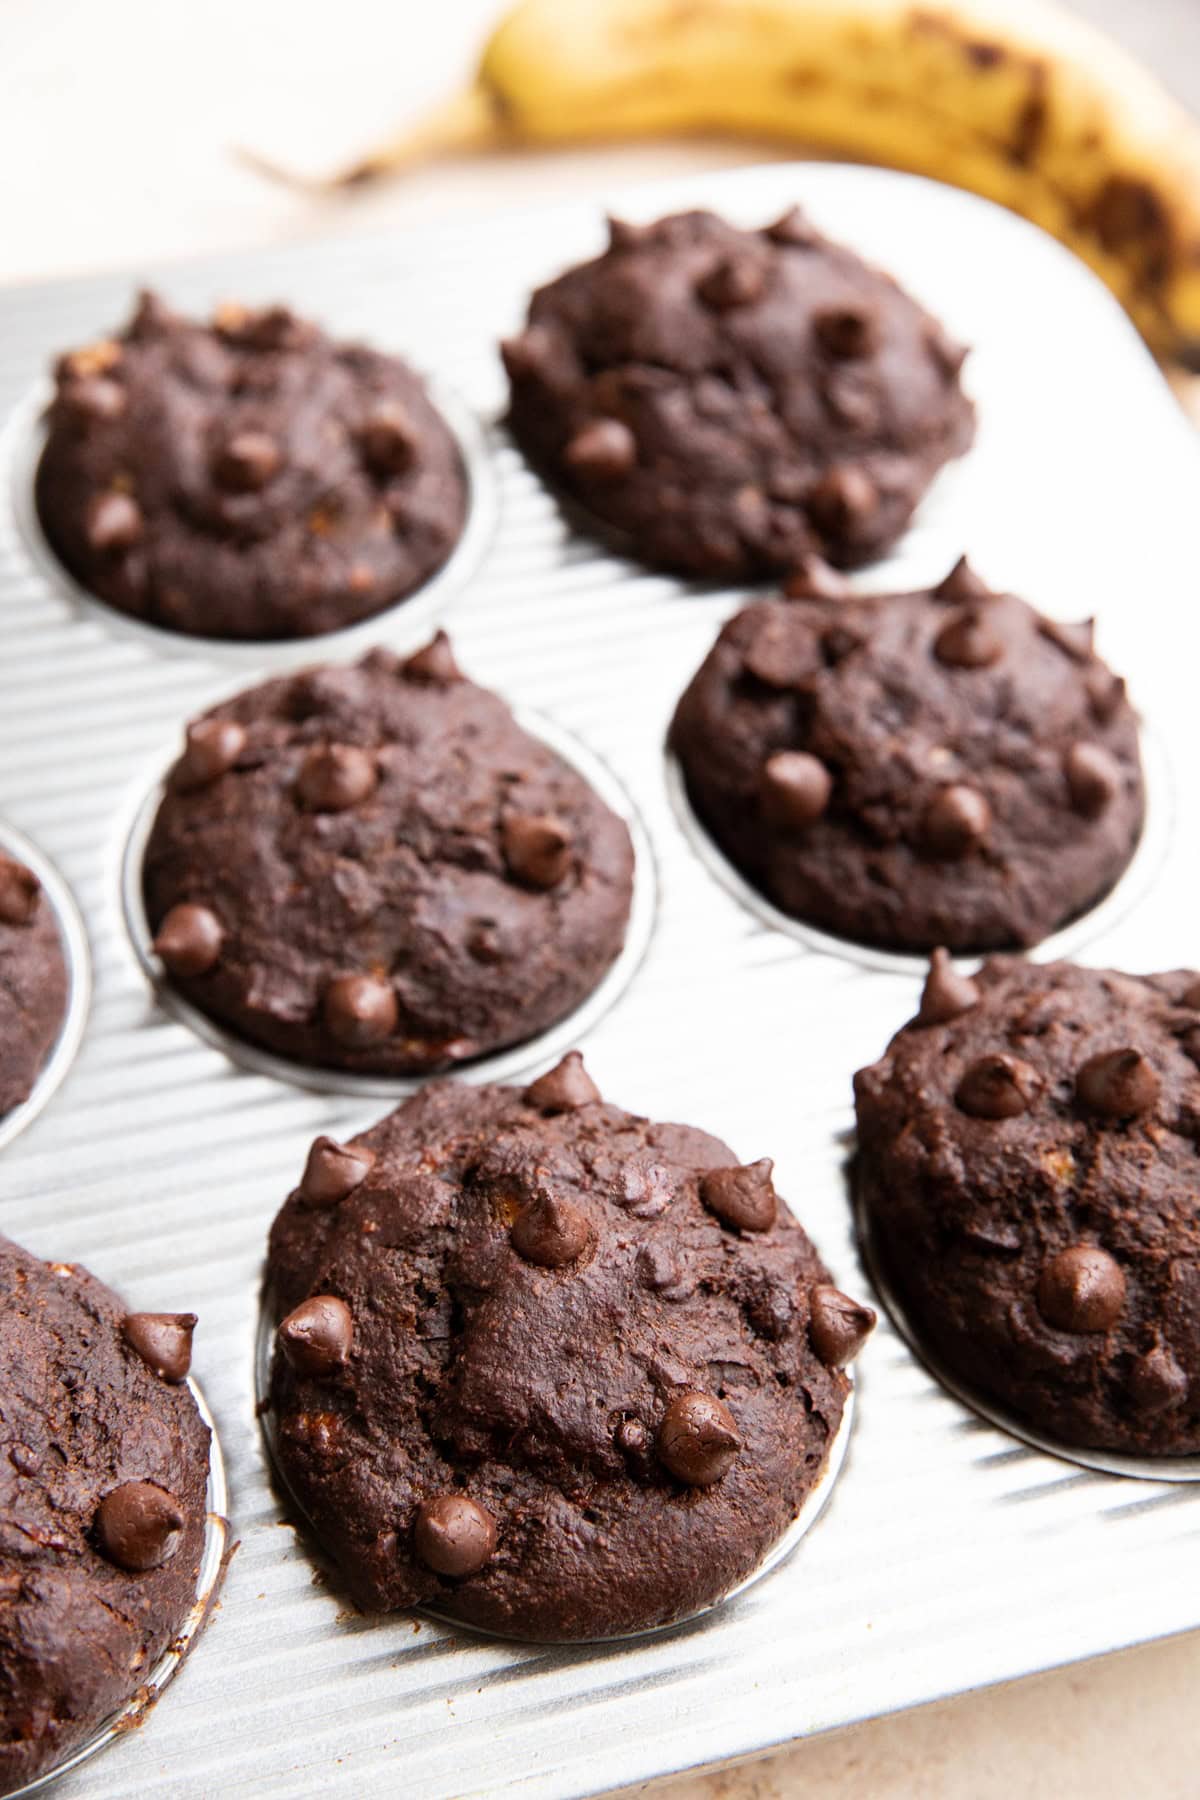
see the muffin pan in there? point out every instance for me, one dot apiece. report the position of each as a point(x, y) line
point(954, 1554)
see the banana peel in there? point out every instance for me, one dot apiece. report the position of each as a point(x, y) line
point(1017, 100)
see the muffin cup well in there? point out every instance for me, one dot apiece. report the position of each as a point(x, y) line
point(1131, 886)
point(814, 1504)
point(73, 939)
point(213, 1561)
point(406, 622)
point(1104, 1462)
point(505, 1064)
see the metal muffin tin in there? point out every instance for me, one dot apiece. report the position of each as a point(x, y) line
point(953, 1554)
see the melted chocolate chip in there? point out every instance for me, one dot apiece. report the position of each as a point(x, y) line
point(334, 1170)
point(189, 940)
point(795, 789)
point(360, 1010)
point(946, 994)
point(1157, 1383)
point(316, 1337)
point(1118, 1084)
point(213, 747)
point(247, 462)
point(812, 578)
point(844, 499)
point(550, 1232)
point(997, 1087)
point(743, 1198)
point(138, 1526)
point(793, 228)
point(1081, 1289)
point(697, 1439)
point(20, 892)
point(564, 1088)
point(606, 450)
point(453, 1535)
point(162, 1340)
point(389, 442)
point(1093, 778)
point(837, 1325)
point(334, 777)
point(956, 821)
point(846, 331)
point(114, 523)
point(537, 848)
point(732, 281)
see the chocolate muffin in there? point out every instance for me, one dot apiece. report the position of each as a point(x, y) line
point(913, 770)
point(33, 982)
point(374, 868)
point(103, 1480)
point(546, 1367)
point(248, 478)
point(1027, 1170)
point(731, 399)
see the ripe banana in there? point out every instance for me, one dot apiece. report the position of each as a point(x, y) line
point(1015, 99)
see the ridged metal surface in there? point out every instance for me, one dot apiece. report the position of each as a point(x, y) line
point(951, 1554)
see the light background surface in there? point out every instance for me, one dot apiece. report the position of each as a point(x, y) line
point(116, 127)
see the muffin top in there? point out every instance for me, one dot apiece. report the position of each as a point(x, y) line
point(249, 478)
point(103, 1478)
point(731, 399)
point(375, 868)
point(549, 1368)
point(33, 981)
point(1028, 1152)
point(946, 767)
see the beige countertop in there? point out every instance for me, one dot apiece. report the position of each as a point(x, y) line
point(116, 130)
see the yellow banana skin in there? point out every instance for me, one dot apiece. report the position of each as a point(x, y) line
point(1013, 99)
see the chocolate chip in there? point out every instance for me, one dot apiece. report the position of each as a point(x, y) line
point(268, 328)
point(794, 228)
point(744, 1197)
point(360, 1010)
point(1106, 693)
point(623, 234)
point(947, 353)
point(527, 356)
point(732, 281)
point(389, 442)
point(95, 399)
point(659, 1270)
point(212, 748)
point(114, 523)
point(946, 994)
point(837, 1325)
point(956, 822)
point(247, 462)
point(1081, 1289)
point(812, 578)
point(998, 1086)
point(433, 663)
point(317, 1335)
point(795, 789)
point(1157, 1382)
point(162, 1340)
point(698, 1439)
point(1093, 777)
point(138, 1525)
point(537, 848)
point(335, 777)
point(20, 891)
point(1118, 1084)
point(967, 641)
point(189, 940)
point(1074, 640)
point(962, 583)
point(844, 499)
point(334, 1170)
point(605, 450)
point(453, 1535)
point(564, 1088)
point(550, 1232)
point(848, 331)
